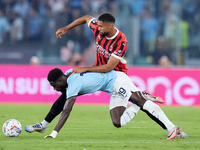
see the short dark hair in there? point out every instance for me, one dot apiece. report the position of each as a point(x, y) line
point(54, 74)
point(106, 17)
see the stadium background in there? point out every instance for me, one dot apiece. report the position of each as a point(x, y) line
point(163, 46)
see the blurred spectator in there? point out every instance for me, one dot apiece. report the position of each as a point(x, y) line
point(160, 50)
point(176, 7)
point(103, 6)
point(8, 6)
point(112, 8)
point(34, 60)
point(50, 26)
point(4, 26)
point(34, 4)
point(86, 7)
point(137, 6)
point(57, 5)
point(184, 33)
point(75, 60)
point(42, 7)
point(149, 28)
point(168, 26)
point(164, 62)
point(142, 21)
point(22, 7)
point(34, 26)
point(65, 54)
point(16, 28)
point(77, 36)
point(99, 6)
point(89, 55)
point(76, 3)
point(62, 18)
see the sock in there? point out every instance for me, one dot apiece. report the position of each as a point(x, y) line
point(50, 116)
point(128, 114)
point(154, 118)
point(45, 124)
point(54, 134)
point(156, 111)
point(56, 108)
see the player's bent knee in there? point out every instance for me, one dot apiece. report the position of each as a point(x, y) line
point(117, 124)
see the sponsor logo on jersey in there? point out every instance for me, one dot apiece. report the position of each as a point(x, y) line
point(102, 51)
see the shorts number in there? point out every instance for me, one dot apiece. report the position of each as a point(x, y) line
point(122, 91)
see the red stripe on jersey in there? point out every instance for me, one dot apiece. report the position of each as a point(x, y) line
point(105, 47)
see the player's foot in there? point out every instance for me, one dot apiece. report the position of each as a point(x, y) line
point(37, 127)
point(182, 134)
point(173, 132)
point(153, 98)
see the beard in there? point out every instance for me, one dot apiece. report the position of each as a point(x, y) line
point(104, 34)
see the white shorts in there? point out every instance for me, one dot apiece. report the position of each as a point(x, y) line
point(122, 90)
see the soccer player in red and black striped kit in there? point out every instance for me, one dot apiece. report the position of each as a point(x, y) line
point(111, 47)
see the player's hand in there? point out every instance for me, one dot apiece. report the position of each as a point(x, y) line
point(60, 32)
point(79, 70)
point(49, 136)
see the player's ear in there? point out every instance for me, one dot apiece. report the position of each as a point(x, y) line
point(111, 25)
point(60, 80)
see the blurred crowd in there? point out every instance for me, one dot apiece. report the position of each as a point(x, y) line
point(156, 29)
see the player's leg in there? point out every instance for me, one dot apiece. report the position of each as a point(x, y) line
point(115, 114)
point(139, 99)
point(124, 87)
point(56, 109)
point(121, 115)
point(156, 111)
point(119, 112)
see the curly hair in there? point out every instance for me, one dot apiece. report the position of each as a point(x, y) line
point(106, 17)
point(54, 74)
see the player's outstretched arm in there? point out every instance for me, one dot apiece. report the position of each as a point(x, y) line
point(77, 22)
point(63, 117)
point(112, 63)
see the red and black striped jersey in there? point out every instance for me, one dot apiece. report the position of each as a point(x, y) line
point(107, 46)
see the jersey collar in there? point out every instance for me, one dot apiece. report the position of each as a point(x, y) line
point(112, 37)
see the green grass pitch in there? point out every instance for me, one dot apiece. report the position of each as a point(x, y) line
point(90, 128)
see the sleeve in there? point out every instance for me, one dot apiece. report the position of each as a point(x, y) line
point(93, 24)
point(120, 49)
point(68, 71)
point(73, 90)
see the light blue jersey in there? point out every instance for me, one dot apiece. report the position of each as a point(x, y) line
point(90, 82)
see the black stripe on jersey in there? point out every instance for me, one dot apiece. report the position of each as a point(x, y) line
point(123, 53)
point(96, 33)
point(92, 28)
point(115, 45)
point(122, 45)
point(99, 59)
point(104, 46)
point(118, 68)
point(118, 39)
point(112, 42)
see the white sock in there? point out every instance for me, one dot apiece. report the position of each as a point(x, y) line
point(45, 123)
point(54, 134)
point(128, 114)
point(156, 111)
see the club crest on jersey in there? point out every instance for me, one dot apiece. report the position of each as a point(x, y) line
point(110, 48)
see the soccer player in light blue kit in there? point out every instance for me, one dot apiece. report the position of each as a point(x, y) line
point(121, 90)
